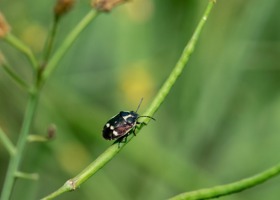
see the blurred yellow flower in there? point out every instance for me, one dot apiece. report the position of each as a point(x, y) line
point(140, 10)
point(34, 36)
point(135, 82)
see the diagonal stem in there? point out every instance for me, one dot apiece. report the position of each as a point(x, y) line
point(7, 143)
point(50, 42)
point(177, 71)
point(69, 40)
point(15, 42)
point(15, 77)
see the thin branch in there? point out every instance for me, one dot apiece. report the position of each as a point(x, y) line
point(50, 42)
point(15, 160)
point(37, 138)
point(111, 152)
point(30, 176)
point(7, 143)
point(67, 43)
point(180, 64)
point(15, 42)
point(231, 188)
point(75, 182)
point(12, 74)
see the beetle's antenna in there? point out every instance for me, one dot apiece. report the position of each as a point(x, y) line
point(139, 104)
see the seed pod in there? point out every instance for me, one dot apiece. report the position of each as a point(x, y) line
point(62, 7)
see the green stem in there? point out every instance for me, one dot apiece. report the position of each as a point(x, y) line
point(177, 71)
point(69, 40)
point(227, 189)
point(105, 157)
point(7, 143)
point(12, 40)
point(37, 138)
point(16, 158)
point(83, 176)
point(30, 176)
point(15, 77)
point(50, 42)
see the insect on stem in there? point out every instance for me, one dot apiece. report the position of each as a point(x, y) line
point(122, 124)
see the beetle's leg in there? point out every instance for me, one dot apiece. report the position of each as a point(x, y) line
point(133, 131)
point(120, 140)
point(141, 123)
point(124, 140)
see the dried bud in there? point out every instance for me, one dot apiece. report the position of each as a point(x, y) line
point(62, 7)
point(106, 5)
point(4, 26)
point(51, 131)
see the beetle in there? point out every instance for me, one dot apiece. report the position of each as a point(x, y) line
point(122, 124)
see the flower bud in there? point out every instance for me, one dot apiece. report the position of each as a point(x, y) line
point(106, 5)
point(51, 131)
point(62, 7)
point(4, 26)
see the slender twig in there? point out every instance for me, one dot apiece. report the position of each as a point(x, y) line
point(15, 160)
point(177, 71)
point(66, 44)
point(50, 41)
point(30, 176)
point(15, 42)
point(75, 182)
point(37, 138)
point(106, 156)
point(227, 189)
point(12, 74)
point(7, 143)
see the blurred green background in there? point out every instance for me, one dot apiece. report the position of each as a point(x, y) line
point(219, 124)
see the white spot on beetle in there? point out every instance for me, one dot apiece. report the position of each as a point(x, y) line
point(125, 118)
point(115, 133)
point(107, 125)
point(112, 127)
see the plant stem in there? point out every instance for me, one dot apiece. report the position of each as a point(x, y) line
point(7, 143)
point(75, 182)
point(12, 40)
point(105, 157)
point(50, 42)
point(177, 71)
point(30, 176)
point(16, 158)
point(37, 138)
point(15, 77)
point(227, 189)
point(69, 40)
